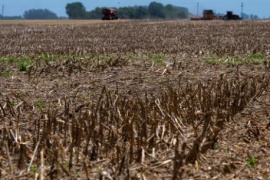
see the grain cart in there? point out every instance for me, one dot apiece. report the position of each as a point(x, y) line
point(109, 14)
point(231, 16)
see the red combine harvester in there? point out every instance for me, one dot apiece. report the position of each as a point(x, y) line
point(109, 14)
point(207, 15)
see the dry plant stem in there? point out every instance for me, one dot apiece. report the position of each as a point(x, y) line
point(194, 153)
point(33, 156)
point(42, 165)
point(22, 157)
point(179, 158)
point(86, 170)
point(8, 157)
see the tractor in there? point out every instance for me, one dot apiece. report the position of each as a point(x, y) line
point(231, 16)
point(109, 14)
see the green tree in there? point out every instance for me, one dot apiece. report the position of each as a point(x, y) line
point(173, 12)
point(94, 14)
point(156, 10)
point(141, 12)
point(127, 12)
point(39, 14)
point(253, 16)
point(76, 10)
point(182, 12)
point(12, 17)
point(170, 11)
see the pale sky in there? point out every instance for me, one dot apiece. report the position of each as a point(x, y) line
point(258, 7)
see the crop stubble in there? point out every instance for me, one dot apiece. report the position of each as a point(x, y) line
point(136, 99)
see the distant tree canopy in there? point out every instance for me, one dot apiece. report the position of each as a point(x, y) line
point(10, 17)
point(251, 16)
point(156, 10)
point(76, 10)
point(39, 14)
point(94, 14)
point(153, 10)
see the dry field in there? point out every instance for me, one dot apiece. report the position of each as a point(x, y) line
point(56, 22)
point(134, 100)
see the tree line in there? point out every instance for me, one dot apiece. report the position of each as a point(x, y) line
point(77, 10)
point(39, 14)
point(33, 14)
point(156, 10)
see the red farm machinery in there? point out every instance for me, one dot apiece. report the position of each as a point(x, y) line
point(210, 15)
point(109, 14)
